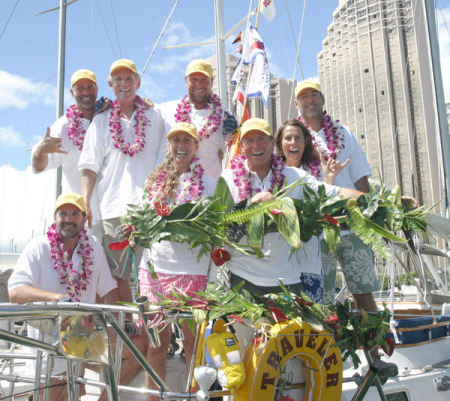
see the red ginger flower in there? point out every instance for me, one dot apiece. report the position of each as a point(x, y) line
point(333, 321)
point(162, 209)
point(276, 211)
point(332, 220)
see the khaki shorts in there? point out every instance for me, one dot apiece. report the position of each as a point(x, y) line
point(357, 263)
point(120, 262)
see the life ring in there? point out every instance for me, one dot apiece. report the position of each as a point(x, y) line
point(265, 361)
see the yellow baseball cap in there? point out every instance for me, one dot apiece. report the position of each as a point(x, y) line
point(123, 63)
point(72, 199)
point(82, 74)
point(200, 65)
point(256, 124)
point(184, 127)
point(307, 84)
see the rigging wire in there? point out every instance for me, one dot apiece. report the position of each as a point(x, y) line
point(115, 27)
point(293, 35)
point(443, 18)
point(9, 19)
point(106, 30)
point(297, 54)
point(160, 36)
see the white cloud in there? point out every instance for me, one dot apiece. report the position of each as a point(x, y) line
point(10, 138)
point(175, 60)
point(19, 92)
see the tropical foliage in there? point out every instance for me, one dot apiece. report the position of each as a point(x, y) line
point(350, 329)
point(216, 221)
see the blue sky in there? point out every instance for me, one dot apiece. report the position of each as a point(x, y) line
point(28, 74)
point(29, 52)
point(29, 48)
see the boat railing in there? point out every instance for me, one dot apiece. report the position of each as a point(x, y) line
point(54, 319)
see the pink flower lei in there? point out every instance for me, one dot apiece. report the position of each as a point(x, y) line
point(212, 122)
point(75, 129)
point(191, 186)
point(116, 128)
point(241, 175)
point(334, 140)
point(75, 281)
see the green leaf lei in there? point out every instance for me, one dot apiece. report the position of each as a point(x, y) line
point(216, 222)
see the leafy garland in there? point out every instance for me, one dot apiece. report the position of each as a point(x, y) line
point(216, 221)
point(350, 329)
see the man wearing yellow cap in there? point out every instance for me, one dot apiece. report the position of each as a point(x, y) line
point(45, 270)
point(254, 175)
point(67, 264)
point(334, 140)
point(62, 144)
point(204, 109)
point(120, 151)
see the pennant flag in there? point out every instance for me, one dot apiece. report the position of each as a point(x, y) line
point(268, 9)
point(252, 45)
point(238, 38)
point(238, 49)
point(259, 84)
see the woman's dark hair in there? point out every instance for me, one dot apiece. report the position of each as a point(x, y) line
point(309, 153)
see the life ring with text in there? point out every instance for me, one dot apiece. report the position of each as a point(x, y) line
point(265, 361)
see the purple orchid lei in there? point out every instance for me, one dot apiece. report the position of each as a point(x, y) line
point(75, 281)
point(212, 122)
point(191, 188)
point(116, 128)
point(241, 175)
point(75, 129)
point(334, 139)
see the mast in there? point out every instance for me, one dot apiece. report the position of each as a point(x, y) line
point(61, 72)
point(61, 76)
point(443, 134)
point(220, 51)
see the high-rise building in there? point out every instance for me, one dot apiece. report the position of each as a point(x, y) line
point(376, 73)
point(281, 105)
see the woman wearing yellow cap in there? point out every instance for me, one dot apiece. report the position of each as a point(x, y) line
point(178, 179)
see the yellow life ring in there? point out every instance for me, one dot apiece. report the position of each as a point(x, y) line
point(265, 361)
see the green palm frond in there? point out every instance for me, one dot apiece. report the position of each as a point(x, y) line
point(369, 232)
point(255, 231)
point(243, 216)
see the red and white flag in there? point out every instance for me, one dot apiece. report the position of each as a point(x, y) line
point(268, 9)
point(252, 45)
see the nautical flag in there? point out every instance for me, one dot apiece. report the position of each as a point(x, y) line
point(252, 45)
point(238, 96)
point(259, 84)
point(238, 38)
point(268, 9)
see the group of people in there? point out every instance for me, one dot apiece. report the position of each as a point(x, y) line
point(172, 153)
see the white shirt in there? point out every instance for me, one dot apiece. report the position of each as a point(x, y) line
point(174, 257)
point(358, 166)
point(208, 148)
point(120, 177)
point(71, 175)
point(35, 268)
point(278, 264)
